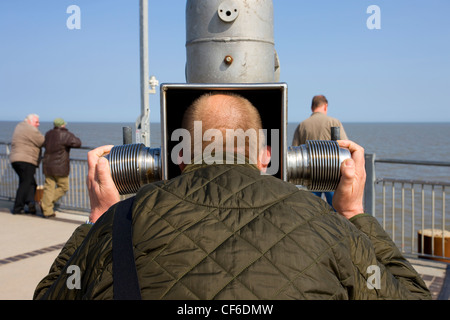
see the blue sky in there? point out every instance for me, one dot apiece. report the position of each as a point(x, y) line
point(399, 73)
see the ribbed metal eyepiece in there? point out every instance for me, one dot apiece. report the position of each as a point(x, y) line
point(316, 164)
point(134, 165)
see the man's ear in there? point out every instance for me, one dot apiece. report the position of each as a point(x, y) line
point(181, 164)
point(264, 158)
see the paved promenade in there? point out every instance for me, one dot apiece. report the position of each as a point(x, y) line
point(29, 244)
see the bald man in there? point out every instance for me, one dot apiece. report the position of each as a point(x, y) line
point(224, 230)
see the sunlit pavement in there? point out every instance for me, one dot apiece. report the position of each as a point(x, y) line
point(28, 246)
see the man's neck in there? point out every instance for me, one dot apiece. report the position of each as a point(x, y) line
point(321, 110)
point(220, 158)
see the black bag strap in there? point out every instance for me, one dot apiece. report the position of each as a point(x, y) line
point(125, 280)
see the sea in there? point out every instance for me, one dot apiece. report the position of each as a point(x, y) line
point(403, 141)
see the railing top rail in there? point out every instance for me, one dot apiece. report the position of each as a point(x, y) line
point(377, 160)
point(415, 162)
point(412, 181)
point(82, 147)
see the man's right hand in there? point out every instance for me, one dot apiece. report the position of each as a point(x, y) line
point(102, 190)
point(348, 197)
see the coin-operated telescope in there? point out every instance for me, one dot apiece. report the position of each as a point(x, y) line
point(314, 165)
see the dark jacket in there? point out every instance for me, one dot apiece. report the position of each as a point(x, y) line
point(58, 142)
point(229, 232)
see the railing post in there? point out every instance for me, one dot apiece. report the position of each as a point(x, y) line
point(369, 190)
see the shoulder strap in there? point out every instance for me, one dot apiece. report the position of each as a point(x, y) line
point(125, 280)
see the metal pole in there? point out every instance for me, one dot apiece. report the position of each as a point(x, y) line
point(143, 123)
point(369, 190)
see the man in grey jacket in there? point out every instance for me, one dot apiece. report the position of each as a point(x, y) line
point(26, 145)
point(318, 127)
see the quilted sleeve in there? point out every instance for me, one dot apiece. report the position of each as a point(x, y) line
point(58, 265)
point(402, 280)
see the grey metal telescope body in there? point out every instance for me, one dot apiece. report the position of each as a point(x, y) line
point(230, 42)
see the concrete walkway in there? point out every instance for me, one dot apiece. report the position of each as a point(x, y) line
point(29, 244)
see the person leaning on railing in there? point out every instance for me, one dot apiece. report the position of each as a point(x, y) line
point(56, 164)
point(25, 154)
point(227, 231)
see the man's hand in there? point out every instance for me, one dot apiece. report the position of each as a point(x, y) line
point(102, 190)
point(348, 197)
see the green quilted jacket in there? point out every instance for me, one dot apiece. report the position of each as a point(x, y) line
point(229, 232)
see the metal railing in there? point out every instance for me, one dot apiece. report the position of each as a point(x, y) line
point(76, 198)
point(407, 209)
point(412, 211)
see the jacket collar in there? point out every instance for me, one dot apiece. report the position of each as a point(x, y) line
point(226, 158)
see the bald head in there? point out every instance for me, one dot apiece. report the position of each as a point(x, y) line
point(222, 111)
point(228, 114)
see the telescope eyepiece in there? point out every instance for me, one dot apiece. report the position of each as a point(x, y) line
point(314, 165)
point(134, 165)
